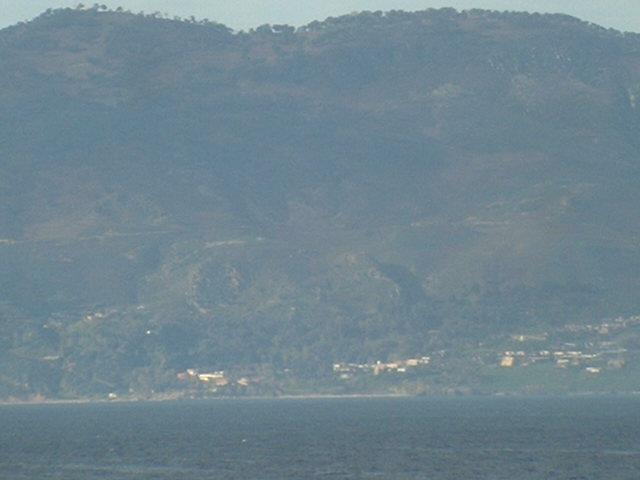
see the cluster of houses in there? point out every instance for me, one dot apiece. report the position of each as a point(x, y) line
point(347, 370)
point(561, 358)
point(100, 315)
point(605, 328)
point(215, 379)
point(591, 354)
point(601, 354)
point(590, 361)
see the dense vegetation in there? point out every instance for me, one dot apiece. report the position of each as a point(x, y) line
point(370, 186)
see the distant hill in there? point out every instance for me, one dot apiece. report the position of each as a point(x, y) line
point(373, 185)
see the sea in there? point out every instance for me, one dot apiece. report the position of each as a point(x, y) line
point(340, 438)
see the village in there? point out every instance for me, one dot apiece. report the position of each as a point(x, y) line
point(591, 349)
point(347, 370)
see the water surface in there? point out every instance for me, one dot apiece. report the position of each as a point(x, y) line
point(376, 438)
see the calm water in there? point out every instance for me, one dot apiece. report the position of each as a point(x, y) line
point(585, 438)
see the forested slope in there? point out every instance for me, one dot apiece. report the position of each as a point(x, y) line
point(363, 187)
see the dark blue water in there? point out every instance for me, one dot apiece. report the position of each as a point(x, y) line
point(469, 438)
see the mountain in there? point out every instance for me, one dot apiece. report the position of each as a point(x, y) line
point(176, 195)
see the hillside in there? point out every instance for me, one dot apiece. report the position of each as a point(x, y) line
point(175, 195)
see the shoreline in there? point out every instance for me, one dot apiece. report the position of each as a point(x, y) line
point(353, 396)
point(85, 401)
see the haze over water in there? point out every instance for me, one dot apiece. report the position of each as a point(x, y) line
point(468, 438)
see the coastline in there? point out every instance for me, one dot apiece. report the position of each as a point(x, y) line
point(303, 397)
point(87, 401)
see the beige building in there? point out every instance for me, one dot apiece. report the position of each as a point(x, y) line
point(216, 378)
point(507, 361)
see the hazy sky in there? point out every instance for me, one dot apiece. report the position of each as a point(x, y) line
point(242, 14)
